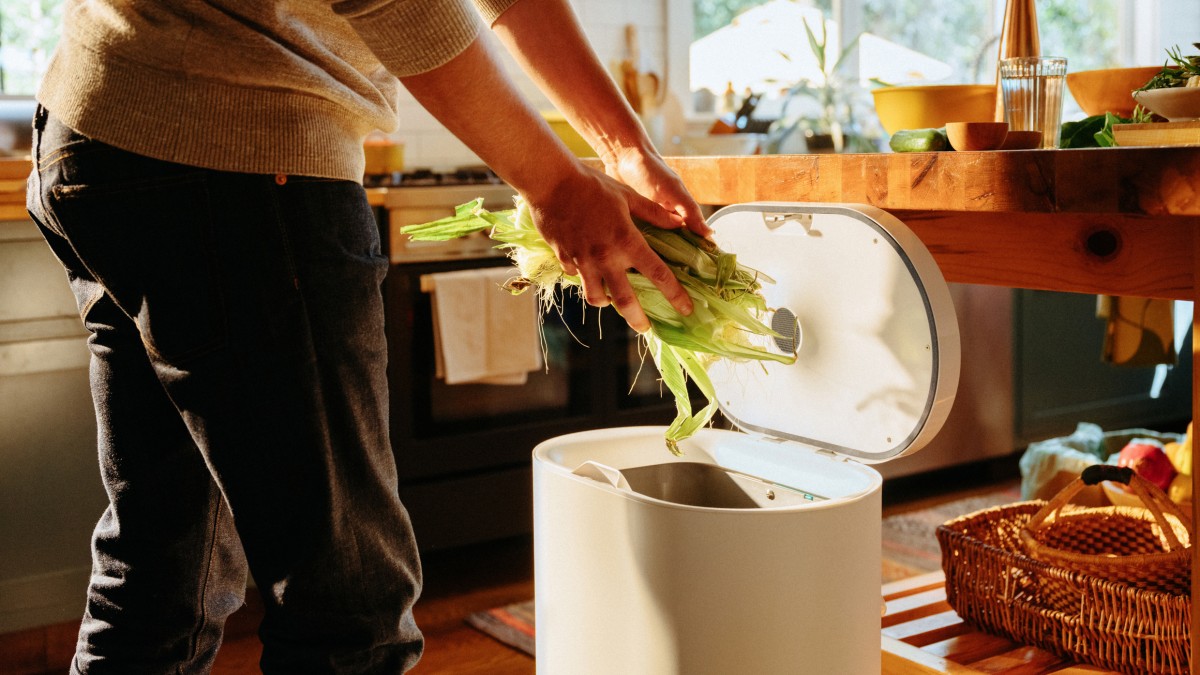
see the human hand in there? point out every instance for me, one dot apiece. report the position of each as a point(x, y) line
point(588, 221)
point(649, 175)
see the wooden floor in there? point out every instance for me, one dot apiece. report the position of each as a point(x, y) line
point(923, 634)
point(458, 583)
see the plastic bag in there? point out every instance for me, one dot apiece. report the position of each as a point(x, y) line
point(1050, 465)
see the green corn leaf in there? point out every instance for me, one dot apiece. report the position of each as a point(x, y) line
point(726, 266)
point(725, 295)
point(676, 250)
point(686, 426)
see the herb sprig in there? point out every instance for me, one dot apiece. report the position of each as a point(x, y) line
point(1175, 75)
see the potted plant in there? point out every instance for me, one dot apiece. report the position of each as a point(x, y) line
point(826, 115)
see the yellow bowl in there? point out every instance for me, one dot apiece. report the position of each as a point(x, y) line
point(563, 129)
point(383, 157)
point(933, 105)
point(1108, 89)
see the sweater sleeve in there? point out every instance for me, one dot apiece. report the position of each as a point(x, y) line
point(492, 9)
point(414, 36)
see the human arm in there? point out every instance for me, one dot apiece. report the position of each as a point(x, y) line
point(546, 39)
point(583, 214)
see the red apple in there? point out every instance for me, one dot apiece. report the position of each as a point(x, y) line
point(1149, 461)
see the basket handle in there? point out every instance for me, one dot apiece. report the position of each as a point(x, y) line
point(1149, 493)
point(1096, 473)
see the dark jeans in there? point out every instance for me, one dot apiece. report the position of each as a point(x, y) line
point(238, 372)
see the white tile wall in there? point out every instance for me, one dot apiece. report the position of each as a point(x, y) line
point(428, 144)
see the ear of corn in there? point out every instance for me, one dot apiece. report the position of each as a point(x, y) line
point(725, 295)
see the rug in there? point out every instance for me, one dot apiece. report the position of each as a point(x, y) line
point(909, 548)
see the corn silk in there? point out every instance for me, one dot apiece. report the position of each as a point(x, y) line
point(726, 298)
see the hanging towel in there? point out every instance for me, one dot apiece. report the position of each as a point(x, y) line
point(482, 333)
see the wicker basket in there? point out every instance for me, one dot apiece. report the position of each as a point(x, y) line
point(995, 585)
point(1143, 547)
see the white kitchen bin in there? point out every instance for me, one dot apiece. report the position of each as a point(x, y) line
point(758, 550)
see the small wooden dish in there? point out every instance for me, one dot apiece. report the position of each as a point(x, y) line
point(973, 136)
point(1022, 140)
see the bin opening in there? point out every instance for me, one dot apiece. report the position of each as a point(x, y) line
point(707, 485)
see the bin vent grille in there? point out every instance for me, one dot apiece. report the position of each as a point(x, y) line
point(784, 322)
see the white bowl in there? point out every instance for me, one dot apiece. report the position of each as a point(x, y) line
point(1118, 495)
point(1177, 104)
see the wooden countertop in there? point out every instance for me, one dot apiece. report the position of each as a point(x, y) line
point(1145, 181)
point(1109, 220)
point(1105, 220)
point(13, 173)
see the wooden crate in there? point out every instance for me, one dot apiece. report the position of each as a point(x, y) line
point(922, 635)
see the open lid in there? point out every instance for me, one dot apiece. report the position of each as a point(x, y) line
point(868, 313)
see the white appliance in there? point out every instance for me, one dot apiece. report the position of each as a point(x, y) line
point(757, 551)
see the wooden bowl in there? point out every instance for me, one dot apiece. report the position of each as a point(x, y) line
point(1108, 89)
point(975, 136)
point(1022, 140)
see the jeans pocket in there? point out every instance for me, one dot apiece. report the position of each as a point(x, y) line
point(148, 241)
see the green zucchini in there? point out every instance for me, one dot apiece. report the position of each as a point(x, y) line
point(919, 140)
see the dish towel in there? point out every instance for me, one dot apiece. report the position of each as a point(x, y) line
point(481, 332)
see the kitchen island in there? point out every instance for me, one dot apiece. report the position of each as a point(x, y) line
point(1115, 221)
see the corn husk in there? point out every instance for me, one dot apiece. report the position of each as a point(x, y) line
point(728, 307)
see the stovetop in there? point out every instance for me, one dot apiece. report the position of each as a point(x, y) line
point(426, 177)
point(422, 195)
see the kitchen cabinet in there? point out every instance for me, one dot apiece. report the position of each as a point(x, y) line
point(50, 491)
point(1116, 221)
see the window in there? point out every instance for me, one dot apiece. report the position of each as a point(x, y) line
point(28, 33)
point(960, 35)
point(965, 35)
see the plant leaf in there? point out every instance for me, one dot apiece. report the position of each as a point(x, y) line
point(818, 48)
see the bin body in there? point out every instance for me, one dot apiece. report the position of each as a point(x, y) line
point(630, 584)
point(758, 550)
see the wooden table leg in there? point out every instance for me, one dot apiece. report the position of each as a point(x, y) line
point(1195, 628)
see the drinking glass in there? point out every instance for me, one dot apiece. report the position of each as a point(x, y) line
point(1032, 87)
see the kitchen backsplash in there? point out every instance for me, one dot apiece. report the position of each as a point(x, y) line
point(428, 144)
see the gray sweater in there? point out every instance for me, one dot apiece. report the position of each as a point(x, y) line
point(258, 86)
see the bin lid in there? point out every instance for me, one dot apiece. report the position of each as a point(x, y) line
point(861, 301)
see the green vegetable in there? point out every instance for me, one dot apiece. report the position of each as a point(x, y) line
point(727, 303)
point(1097, 131)
point(1174, 75)
point(919, 140)
point(1105, 137)
point(1081, 133)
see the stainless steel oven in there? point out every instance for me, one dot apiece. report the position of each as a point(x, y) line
point(463, 450)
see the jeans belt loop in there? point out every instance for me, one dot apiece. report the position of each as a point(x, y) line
point(40, 117)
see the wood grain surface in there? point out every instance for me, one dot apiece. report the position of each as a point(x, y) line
point(922, 635)
point(1117, 221)
point(1130, 181)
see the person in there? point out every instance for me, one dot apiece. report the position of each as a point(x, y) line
point(198, 170)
